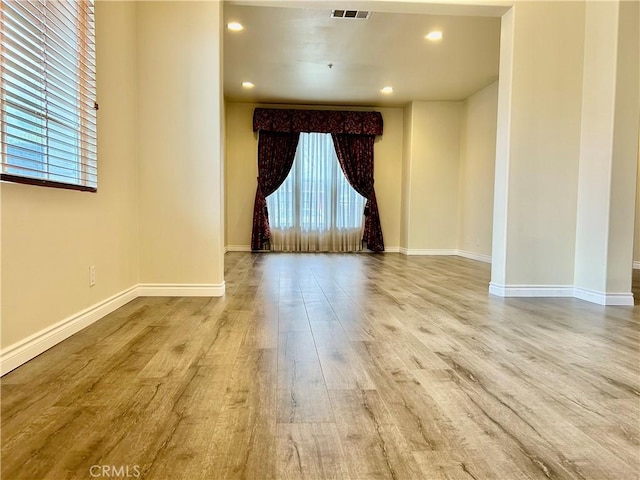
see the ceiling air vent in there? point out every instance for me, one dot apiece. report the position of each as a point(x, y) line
point(350, 14)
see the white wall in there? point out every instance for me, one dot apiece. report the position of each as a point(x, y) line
point(50, 237)
point(477, 171)
point(181, 185)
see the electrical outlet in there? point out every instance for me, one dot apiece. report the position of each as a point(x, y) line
point(92, 275)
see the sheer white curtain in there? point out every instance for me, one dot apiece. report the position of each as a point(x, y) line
point(316, 209)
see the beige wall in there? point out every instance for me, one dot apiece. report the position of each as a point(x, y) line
point(405, 204)
point(448, 175)
point(477, 170)
point(158, 215)
point(625, 149)
point(417, 173)
point(388, 175)
point(433, 176)
point(418, 178)
point(636, 245)
point(608, 156)
point(180, 143)
point(50, 237)
point(594, 185)
point(241, 172)
point(539, 115)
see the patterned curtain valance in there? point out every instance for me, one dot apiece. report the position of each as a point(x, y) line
point(320, 121)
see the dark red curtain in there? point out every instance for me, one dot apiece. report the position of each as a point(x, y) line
point(321, 121)
point(276, 151)
point(355, 154)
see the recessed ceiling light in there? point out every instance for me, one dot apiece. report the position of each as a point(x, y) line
point(235, 26)
point(433, 35)
point(387, 90)
point(247, 85)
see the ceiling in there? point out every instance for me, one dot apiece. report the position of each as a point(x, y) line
point(285, 52)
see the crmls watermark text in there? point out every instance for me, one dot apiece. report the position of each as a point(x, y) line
point(114, 471)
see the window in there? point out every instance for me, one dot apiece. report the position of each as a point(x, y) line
point(315, 208)
point(47, 88)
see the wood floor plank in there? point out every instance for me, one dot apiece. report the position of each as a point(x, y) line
point(225, 339)
point(304, 396)
point(302, 393)
point(310, 451)
point(242, 442)
point(370, 439)
point(340, 364)
point(322, 366)
point(421, 423)
point(293, 316)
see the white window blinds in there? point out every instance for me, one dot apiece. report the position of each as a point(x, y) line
point(48, 93)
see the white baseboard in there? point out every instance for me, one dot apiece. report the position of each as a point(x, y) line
point(604, 298)
point(180, 290)
point(21, 352)
point(427, 251)
point(455, 252)
point(530, 290)
point(636, 265)
point(554, 291)
point(474, 256)
point(237, 248)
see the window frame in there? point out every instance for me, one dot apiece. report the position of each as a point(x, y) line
point(67, 125)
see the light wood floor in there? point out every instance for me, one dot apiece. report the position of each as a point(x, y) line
point(336, 366)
